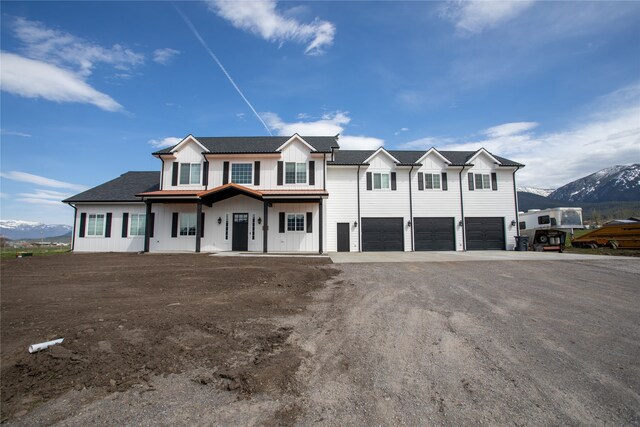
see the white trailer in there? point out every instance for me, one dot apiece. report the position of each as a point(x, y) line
point(547, 228)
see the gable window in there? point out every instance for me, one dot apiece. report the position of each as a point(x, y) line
point(241, 173)
point(188, 224)
point(137, 225)
point(190, 173)
point(295, 222)
point(380, 181)
point(295, 173)
point(95, 225)
point(432, 181)
point(483, 181)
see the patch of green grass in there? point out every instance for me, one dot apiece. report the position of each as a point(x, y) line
point(36, 251)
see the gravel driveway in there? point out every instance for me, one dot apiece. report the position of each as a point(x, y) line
point(509, 343)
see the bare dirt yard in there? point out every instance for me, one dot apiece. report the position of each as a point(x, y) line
point(153, 325)
point(199, 340)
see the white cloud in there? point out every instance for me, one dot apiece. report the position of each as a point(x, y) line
point(40, 180)
point(360, 142)
point(262, 18)
point(36, 79)
point(164, 56)
point(64, 49)
point(509, 129)
point(330, 124)
point(43, 197)
point(424, 143)
point(399, 131)
point(14, 133)
point(37, 201)
point(164, 142)
point(472, 17)
point(608, 136)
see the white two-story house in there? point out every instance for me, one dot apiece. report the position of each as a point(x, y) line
point(301, 194)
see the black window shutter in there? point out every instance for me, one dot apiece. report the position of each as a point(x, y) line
point(83, 224)
point(225, 173)
point(494, 181)
point(205, 174)
point(445, 186)
point(369, 184)
point(174, 174)
point(107, 228)
point(420, 181)
point(470, 181)
point(393, 181)
point(125, 224)
point(153, 223)
point(280, 167)
point(256, 173)
point(309, 222)
point(281, 230)
point(202, 224)
point(174, 225)
point(312, 173)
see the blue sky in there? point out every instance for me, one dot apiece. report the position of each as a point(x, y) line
point(90, 89)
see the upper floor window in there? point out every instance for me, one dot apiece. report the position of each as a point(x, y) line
point(432, 181)
point(483, 181)
point(190, 173)
point(188, 224)
point(95, 226)
point(241, 173)
point(137, 225)
point(380, 181)
point(295, 173)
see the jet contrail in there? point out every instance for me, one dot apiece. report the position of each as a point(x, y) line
point(215, 58)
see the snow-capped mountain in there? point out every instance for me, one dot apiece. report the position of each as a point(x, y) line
point(544, 192)
point(617, 183)
point(17, 229)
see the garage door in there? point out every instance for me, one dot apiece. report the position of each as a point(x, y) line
point(434, 234)
point(484, 233)
point(382, 234)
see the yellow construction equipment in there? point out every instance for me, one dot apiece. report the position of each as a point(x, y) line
point(623, 234)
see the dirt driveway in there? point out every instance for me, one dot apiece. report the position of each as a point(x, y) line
point(187, 339)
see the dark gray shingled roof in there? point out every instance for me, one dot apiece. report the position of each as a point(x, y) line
point(357, 157)
point(122, 189)
point(257, 144)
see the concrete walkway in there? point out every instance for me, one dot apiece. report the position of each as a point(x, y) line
point(377, 257)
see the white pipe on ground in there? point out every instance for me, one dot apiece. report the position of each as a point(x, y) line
point(37, 347)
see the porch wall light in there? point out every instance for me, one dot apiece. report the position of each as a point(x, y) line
point(355, 224)
point(409, 224)
point(259, 220)
point(219, 220)
point(460, 223)
point(513, 222)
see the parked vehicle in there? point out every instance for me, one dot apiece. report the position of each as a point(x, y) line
point(623, 234)
point(547, 229)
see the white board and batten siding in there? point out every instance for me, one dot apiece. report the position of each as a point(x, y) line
point(188, 153)
point(115, 243)
point(490, 203)
point(438, 203)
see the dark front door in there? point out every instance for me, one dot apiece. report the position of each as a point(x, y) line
point(434, 234)
point(240, 232)
point(382, 234)
point(343, 237)
point(484, 233)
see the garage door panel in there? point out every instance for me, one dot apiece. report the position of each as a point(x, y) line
point(382, 234)
point(484, 233)
point(434, 234)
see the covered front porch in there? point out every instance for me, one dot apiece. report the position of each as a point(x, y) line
point(235, 218)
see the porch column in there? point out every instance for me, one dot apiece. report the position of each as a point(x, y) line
point(320, 224)
point(265, 226)
point(198, 225)
point(147, 228)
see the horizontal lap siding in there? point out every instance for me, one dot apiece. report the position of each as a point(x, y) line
point(342, 206)
point(115, 243)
